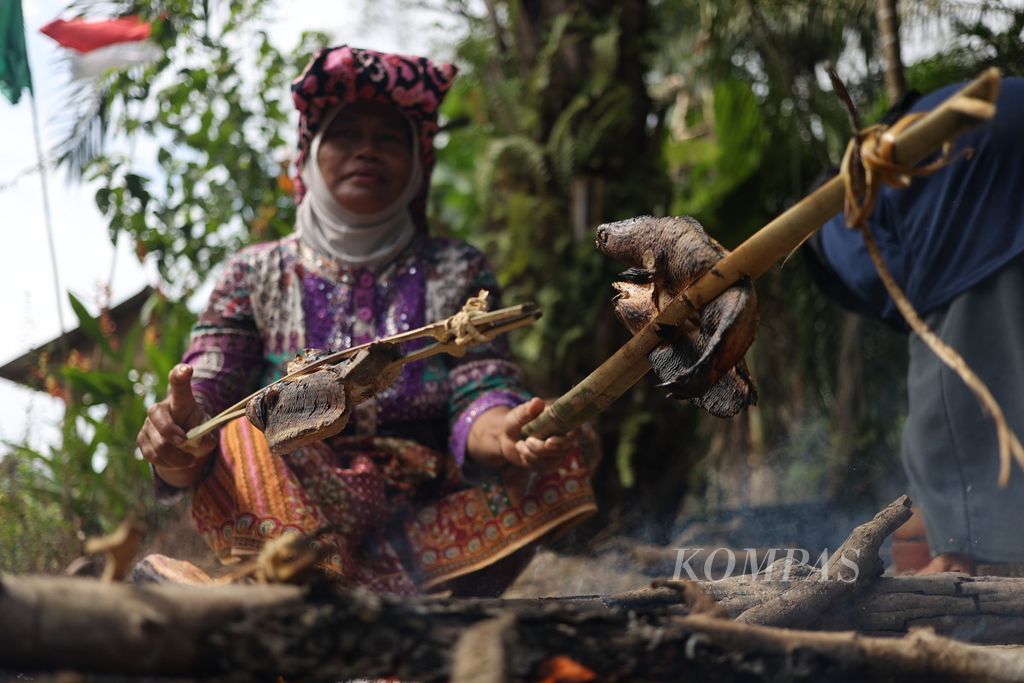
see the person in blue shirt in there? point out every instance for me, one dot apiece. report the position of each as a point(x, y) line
point(954, 242)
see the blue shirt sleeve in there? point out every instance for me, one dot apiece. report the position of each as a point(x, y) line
point(846, 256)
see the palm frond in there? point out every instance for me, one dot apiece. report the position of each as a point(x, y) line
point(85, 128)
point(515, 154)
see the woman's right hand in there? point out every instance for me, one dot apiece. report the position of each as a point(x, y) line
point(162, 438)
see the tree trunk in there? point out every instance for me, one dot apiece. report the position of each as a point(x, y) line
point(889, 36)
point(849, 394)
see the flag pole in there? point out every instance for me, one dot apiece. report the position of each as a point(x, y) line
point(46, 209)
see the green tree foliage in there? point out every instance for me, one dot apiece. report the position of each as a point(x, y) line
point(563, 135)
point(555, 142)
point(197, 169)
point(89, 481)
point(220, 177)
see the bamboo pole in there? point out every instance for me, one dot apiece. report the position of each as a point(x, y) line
point(754, 257)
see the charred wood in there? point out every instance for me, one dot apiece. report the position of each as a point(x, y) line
point(854, 564)
point(243, 633)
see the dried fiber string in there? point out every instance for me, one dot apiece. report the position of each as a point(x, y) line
point(460, 327)
point(867, 163)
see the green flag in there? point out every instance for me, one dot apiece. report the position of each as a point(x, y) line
point(14, 73)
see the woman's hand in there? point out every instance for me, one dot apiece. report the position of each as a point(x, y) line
point(162, 437)
point(495, 439)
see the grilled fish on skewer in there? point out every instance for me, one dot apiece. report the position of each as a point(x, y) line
point(702, 362)
point(315, 406)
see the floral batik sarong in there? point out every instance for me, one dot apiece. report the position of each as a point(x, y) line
point(402, 517)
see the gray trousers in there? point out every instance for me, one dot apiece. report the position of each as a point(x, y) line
point(949, 446)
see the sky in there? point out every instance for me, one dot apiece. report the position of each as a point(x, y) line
point(86, 259)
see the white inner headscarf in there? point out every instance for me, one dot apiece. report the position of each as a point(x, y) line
point(366, 240)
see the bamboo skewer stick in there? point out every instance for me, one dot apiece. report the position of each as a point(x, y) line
point(489, 324)
point(489, 333)
point(754, 257)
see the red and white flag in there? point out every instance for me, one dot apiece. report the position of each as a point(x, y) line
point(97, 46)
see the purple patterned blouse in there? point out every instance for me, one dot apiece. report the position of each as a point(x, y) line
point(276, 299)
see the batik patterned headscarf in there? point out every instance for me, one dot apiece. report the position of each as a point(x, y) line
point(343, 75)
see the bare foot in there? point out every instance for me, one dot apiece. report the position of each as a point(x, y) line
point(949, 562)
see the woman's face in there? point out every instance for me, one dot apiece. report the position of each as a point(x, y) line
point(366, 156)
